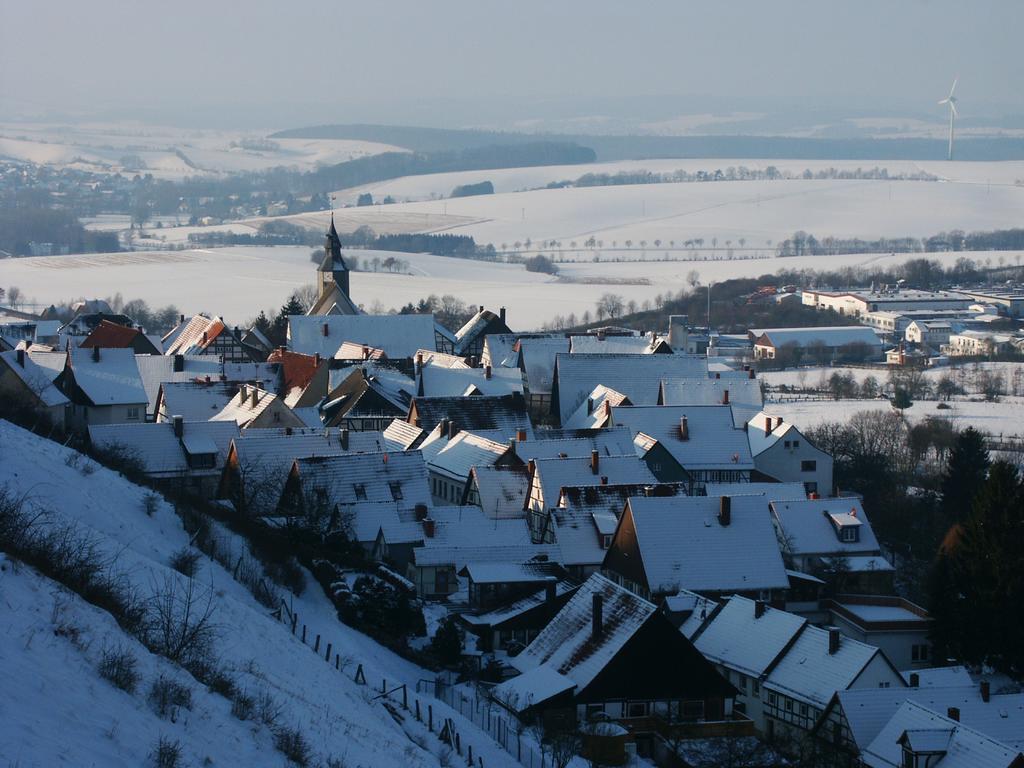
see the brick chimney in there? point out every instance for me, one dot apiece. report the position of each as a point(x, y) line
point(317, 359)
point(95, 354)
point(178, 424)
point(986, 691)
point(501, 314)
point(758, 609)
point(953, 713)
point(595, 461)
point(521, 435)
point(179, 364)
point(254, 394)
point(487, 372)
point(833, 641)
point(590, 405)
point(428, 527)
point(915, 680)
point(20, 355)
point(597, 623)
point(724, 511)
point(344, 439)
point(453, 430)
point(725, 397)
point(767, 426)
point(778, 422)
point(243, 393)
point(684, 428)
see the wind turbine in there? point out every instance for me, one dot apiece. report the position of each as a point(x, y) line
point(951, 100)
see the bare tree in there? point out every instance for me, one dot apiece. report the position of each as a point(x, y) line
point(180, 621)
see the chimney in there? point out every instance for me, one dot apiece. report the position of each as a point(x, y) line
point(481, 307)
point(20, 354)
point(684, 428)
point(604, 479)
point(521, 435)
point(833, 641)
point(590, 405)
point(953, 713)
point(607, 408)
point(178, 423)
point(595, 461)
point(915, 680)
point(724, 511)
point(444, 427)
point(986, 691)
point(366, 352)
point(181, 319)
point(549, 592)
point(751, 376)
point(725, 397)
point(207, 379)
point(501, 314)
point(179, 364)
point(288, 431)
point(718, 374)
point(326, 329)
point(597, 625)
point(767, 426)
point(254, 393)
point(758, 609)
point(95, 354)
point(778, 423)
point(243, 392)
point(487, 372)
point(344, 439)
point(206, 337)
point(453, 430)
point(421, 512)
point(428, 527)
point(512, 445)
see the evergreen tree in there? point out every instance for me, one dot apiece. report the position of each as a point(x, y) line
point(965, 474)
point(447, 642)
point(279, 332)
point(977, 585)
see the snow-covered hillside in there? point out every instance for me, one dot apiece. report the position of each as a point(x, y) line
point(56, 708)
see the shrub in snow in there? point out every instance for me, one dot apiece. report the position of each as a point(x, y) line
point(292, 744)
point(119, 666)
point(184, 561)
point(243, 706)
point(220, 682)
point(166, 753)
point(150, 503)
point(446, 644)
point(180, 622)
point(166, 696)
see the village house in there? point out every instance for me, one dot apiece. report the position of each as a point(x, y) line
point(157, 370)
point(368, 398)
point(977, 344)
point(894, 624)
point(195, 399)
point(784, 454)
point(618, 344)
point(255, 408)
point(469, 339)
point(497, 416)
point(400, 435)
point(174, 454)
point(513, 626)
point(399, 336)
point(609, 654)
point(104, 387)
point(500, 491)
point(26, 384)
point(854, 343)
point(536, 359)
point(436, 381)
point(114, 336)
point(449, 468)
point(201, 335)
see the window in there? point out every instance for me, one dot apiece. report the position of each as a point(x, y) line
point(788, 443)
point(772, 699)
point(637, 709)
point(919, 652)
point(133, 414)
point(360, 491)
point(796, 443)
point(755, 687)
point(884, 685)
point(396, 491)
point(848, 533)
point(693, 710)
point(606, 540)
point(808, 465)
point(803, 710)
point(789, 705)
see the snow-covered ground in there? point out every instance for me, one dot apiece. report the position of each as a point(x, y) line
point(171, 153)
point(430, 186)
point(963, 374)
point(58, 711)
point(237, 282)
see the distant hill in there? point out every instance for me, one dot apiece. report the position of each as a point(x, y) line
point(421, 139)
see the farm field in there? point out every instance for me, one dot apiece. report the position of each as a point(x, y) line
point(238, 282)
point(439, 185)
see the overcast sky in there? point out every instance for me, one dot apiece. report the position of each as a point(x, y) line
point(465, 62)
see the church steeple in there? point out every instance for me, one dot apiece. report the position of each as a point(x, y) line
point(333, 268)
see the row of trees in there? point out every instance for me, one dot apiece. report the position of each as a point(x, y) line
point(805, 244)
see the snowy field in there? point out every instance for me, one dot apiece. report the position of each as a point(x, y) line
point(1004, 419)
point(238, 282)
point(437, 185)
point(171, 153)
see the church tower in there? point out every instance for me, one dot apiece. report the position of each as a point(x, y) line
point(333, 270)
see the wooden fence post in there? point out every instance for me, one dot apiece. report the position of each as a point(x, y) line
point(470, 760)
point(337, 661)
point(405, 696)
point(327, 658)
point(295, 621)
point(303, 633)
point(418, 718)
point(430, 717)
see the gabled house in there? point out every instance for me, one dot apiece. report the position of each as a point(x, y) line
point(595, 412)
point(156, 370)
point(513, 626)
point(504, 414)
point(783, 453)
point(196, 399)
point(436, 381)
point(536, 359)
point(398, 336)
point(297, 373)
point(609, 654)
point(363, 400)
point(500, 491)
point(449, 468)
point(469, 339)
point(701, 439)
point(25, 385)
point(255, 408)
point(400, 435)
point(549, 476)
point(114, 336)
point(104, 387)
point(899, 627)
point(714, 546)
point(201, 335)
point(834, 537)
point(174, 454)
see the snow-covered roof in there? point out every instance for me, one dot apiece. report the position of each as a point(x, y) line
point(770, 491)
point(696, 606)
point(963, 745)
point(567, 645)
point(683, 545)
point(611, 345)
point(503, 613)
point(247, 406)
point(811, 526)
point(830, 336)
point(398, 335)
point(593, 411)
point(555, 474)
point(195, 401)
point(463, 452)
point(501, 490)
point(351, 478)
point(940, 677)
point(700, 390)
point(505, 413)
point(607, 442)
point(440, 359)
point(464, 535)
point(159, 449)
point(713, 442)
point(107, 376)
point(193, 336)
point(740, 640)
point(809, 673)
point(490, 572)
point(764, 431)
point(476, 325)
point(435, 381)
point(401, 435)
point(531, 688)
point(537, 360)
point(49, 360)
point(159, 369)
point(638, 377)
point(36, 378)
point(399, 526)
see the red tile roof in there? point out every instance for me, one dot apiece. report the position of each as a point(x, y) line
point(110, 336)
point(296, 369)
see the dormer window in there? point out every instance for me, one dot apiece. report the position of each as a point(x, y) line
point(849, 533)
point(360, 491)
point(396, 491)
point(847, 525)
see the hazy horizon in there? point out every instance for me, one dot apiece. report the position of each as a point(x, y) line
point(473, 64)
